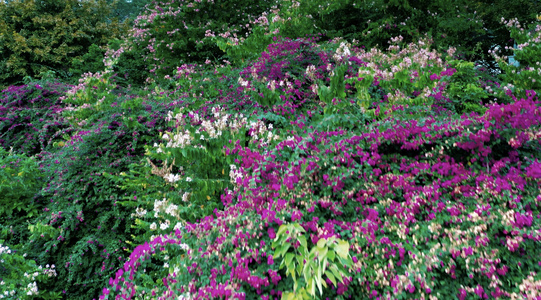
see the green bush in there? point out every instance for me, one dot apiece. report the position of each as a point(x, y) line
point(83, 227)
point(168, 34)
point(30, 119)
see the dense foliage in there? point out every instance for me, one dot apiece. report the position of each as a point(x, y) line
point(41, 36)
point(278, 155)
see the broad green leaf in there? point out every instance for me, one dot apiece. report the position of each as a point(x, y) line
point(336, 273)
point(331, 277)
point(342, 248)
point(318, 280)
point(288, 296)
point(311, 286)
point(281, 230)
point(284, 249)
point(289, 259)
point(302, 240)
point(321, 243)
point(331, 255)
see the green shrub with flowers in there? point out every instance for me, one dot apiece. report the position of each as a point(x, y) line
point(526, 76)
point(440, 200)
point(314, 170)
point(19, 276)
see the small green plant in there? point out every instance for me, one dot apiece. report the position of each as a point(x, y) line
point(335, 92)
point(329, 258)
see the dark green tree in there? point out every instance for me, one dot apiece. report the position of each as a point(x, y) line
point(48, 35)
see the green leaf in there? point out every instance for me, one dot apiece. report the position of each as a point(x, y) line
point(322, 252)
point(336, 273)
point(302, 240)
point(331, 277)
point(318, 280)
point(289, 259)
point(331, 255)
point(342, 249)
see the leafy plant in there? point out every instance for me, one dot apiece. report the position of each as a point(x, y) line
point(312, 264)
point(19, 276)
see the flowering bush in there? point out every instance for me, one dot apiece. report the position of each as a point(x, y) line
point(526, 76)
point(83, 227)
point(441, 205)
point(18, 277)
point(168, 34)
point(317, 170)
point(30, 118)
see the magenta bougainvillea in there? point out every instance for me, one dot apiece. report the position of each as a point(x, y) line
point(437, 206)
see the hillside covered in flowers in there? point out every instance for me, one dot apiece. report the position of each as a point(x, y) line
point(267, 159)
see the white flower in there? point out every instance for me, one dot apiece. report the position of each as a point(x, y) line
point(172, 210)
point(186, 197)
point(140, 212)
point(164, 226)
point(172, 178)
point(153, 226)
point(189, 179)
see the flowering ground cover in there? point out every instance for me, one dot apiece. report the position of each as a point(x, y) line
point(316, 171)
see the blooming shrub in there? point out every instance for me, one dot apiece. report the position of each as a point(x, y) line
point(404, 237)
point(29, 116)
point(19, 276)
point(315, 171)
point(168, 34)
point(527, 75)
point(83, 227)
point(441, 205)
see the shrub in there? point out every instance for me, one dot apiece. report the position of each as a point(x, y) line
point(30, 118)
point(431, 204)
point(394, 195)
point(525, 76)
point(19, 276)
point(84, 228)
point(169, 34)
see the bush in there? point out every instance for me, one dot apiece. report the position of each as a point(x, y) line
point(30, 116)
point(426, 204)
point(83, 227)
point(169, 34)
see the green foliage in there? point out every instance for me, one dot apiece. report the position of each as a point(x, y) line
point(335, 92)
point(526, 76)
point(199, 156)
point(29, 116)
point(187, 26)
point(84, 228)
point(330, 258)
point(249, 49)
point(20, 179)
point(92, 62)
point(37, 36)
point(464, 90)
point(20, 275)
point(90, 98)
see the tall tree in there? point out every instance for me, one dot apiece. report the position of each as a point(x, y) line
point(47, 35)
